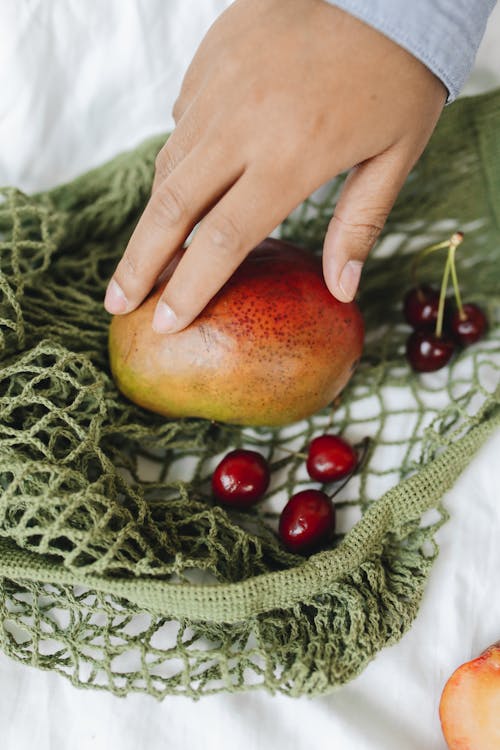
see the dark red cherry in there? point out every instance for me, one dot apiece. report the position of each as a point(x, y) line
point(241, 478)
point(470, 327)
point(427, 352)
point(307, 521)
point(330, 458)
point(420, 306)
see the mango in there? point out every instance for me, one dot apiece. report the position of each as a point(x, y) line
point(272, 347)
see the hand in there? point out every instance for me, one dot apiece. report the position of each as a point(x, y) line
point(281, 96)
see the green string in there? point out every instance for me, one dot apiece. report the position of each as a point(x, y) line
point(117, 569)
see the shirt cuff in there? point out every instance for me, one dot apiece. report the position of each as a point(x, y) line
point(443, 34)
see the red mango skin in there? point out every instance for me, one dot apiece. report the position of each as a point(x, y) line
point(272, 347)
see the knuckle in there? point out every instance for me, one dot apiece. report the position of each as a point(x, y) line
point(167, 159)
point(177, 109)
point(128, 265)
point(364, 231)
point(159, 163)
point(160, 160)
point(167, 207)
point(224, 234)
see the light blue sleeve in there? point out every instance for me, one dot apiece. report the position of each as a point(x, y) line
point(443, 34)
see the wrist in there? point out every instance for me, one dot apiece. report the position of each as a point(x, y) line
point(443, 36)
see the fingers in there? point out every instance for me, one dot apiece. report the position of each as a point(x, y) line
point(181, 142)
point(171, 213)
point(167, 159)
point(224, 238)
point(366, 199)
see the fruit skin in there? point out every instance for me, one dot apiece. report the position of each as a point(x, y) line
point(470, 328)
point(272, 347)
point(330, 458)
point(307, 521)
point(241, 478)
point(420, 307)
point(427, 352)
point(469, 709)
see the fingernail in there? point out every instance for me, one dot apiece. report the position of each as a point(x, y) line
point(164, 320)
point(349, 279)
point(115, 301)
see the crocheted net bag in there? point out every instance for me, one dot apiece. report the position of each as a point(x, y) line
point(117, 569)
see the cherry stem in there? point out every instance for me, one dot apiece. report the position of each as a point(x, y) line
point(421, 255)
point(453, 241)
point(304, 456)
point(362, 454)
point(298, 454)
point(454, 280)
point(452, 244)
point(442, 298)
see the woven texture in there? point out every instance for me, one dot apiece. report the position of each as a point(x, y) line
point(117, 569)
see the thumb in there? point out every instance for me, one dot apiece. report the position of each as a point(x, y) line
point(367, 197)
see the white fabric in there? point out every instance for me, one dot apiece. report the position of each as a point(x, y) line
point(79, 82)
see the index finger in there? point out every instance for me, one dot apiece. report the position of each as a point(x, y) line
point(242, 218)
point(171, 213)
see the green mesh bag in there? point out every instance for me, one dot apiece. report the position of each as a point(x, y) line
point(117, 569)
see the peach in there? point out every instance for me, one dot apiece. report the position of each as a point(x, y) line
point(470, 704)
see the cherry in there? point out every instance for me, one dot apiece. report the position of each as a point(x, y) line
point(468, 327)
point(420, 306)
point(307, 521)
point(330, 458)
point(241, 478)
point(427, 352)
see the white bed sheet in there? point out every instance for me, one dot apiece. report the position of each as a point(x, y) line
point(81, 81)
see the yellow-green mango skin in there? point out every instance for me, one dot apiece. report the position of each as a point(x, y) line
point(272, 347)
